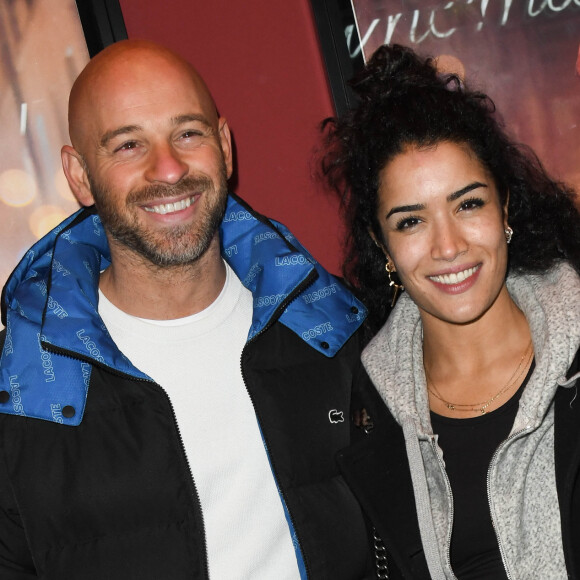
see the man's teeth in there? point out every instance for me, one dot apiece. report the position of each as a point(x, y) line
point(170, 207)
point(456, 277)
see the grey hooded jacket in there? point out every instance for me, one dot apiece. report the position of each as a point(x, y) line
point(522, 489)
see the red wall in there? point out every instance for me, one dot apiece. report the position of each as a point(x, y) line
point(262, 62)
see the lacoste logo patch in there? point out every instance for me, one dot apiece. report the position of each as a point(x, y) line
point(335, 416)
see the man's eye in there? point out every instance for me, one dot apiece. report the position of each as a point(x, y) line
point(407, 223)
point(127, 146)
point(191, 134)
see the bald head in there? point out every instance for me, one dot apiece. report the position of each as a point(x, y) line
point(122, 70)
point(139, 114)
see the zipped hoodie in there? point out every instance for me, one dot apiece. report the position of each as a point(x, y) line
point(54, 333)
point(521, 479)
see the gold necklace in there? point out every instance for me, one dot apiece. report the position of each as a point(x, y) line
point(482, 407)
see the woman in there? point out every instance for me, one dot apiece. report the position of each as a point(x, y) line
point(472, 472)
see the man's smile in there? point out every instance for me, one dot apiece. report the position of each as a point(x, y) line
point(165, 208)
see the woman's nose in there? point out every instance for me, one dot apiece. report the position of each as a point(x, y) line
point(448, 241)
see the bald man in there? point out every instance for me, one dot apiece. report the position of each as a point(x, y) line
point(176, 371)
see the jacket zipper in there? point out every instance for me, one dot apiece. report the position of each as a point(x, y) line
point(276, 314)
point(193, 490)
point(309, 280)
point(449, 503)
point(491, 466)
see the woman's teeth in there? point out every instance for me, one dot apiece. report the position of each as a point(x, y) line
point(456, 277)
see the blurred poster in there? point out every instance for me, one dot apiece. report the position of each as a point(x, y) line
point(522, 53)
point(42, 50)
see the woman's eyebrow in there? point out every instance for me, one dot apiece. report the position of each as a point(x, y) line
point(451, 197)
point(457, 194)
point(405, 208)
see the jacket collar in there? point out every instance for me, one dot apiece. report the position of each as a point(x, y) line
point(54, 333)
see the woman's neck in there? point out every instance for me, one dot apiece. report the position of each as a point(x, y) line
point(471, 363)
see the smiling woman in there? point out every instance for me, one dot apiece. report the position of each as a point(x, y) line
point(471, 361)
point(448, 245)
point(407, 103)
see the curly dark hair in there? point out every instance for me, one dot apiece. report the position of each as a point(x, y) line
point(404, 101)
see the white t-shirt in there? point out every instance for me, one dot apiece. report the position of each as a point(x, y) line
point(197, 360)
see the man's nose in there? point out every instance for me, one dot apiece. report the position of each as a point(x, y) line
point(164, 165)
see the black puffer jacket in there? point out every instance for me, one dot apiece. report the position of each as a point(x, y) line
point(94, 482)
point(113, 498)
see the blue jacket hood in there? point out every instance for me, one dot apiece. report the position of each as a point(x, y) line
point(54, 333)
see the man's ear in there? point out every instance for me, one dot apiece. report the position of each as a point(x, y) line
point(76, 174)
point(226, 144)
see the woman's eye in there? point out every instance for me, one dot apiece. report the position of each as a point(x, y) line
point(407, 223)
point(472, 203)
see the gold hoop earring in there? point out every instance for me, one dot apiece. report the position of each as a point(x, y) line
point(508, 234)
point(396, 287)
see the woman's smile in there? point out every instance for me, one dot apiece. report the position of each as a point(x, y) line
point(458, 281)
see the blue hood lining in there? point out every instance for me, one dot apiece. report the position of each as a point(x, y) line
point(51, 299)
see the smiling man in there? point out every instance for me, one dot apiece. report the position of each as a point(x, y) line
point(176, 369)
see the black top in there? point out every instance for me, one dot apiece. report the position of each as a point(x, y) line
point(468, 446)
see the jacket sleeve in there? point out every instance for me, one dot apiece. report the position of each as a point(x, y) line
point(375, 467)
point(15, 557)
point(567, 462)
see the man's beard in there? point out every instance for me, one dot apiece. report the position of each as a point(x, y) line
point(175, 245)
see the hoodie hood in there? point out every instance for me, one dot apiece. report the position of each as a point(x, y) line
point(391, 358)
point(394, 357)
